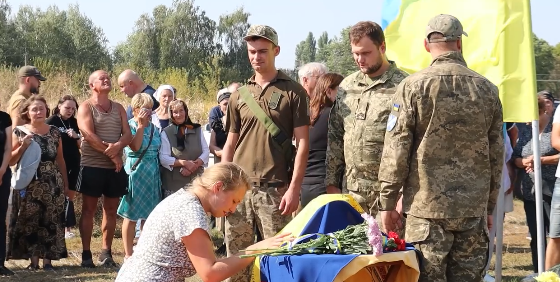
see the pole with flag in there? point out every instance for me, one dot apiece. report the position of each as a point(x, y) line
point(499, 47)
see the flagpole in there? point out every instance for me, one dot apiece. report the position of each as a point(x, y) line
point(538, 195)
point(499, 230)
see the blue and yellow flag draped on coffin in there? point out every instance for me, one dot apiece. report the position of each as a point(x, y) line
point(329, 213)
point(311, 220)
point(499, 45)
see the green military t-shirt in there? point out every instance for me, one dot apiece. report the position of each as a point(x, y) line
point(255, 151)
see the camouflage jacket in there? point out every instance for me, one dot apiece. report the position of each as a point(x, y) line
point(357, 128)
point(444, 143)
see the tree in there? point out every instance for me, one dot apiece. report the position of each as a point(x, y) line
point(68, 39)
point(181, 36)
point(306, 50)
point(10, 54)
point(322, 50)
point(544, 62)
point(336, 53)
point(233, 49)
point(90, 43)
point(339, 54)
point(556, 50)
point(292, 73)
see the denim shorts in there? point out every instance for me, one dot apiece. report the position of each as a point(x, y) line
point(554, 231)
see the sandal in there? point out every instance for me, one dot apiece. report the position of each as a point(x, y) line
point(32, 267)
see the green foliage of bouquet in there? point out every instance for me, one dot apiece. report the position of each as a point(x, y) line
point(359, 239)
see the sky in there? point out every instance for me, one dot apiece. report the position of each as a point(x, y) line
point(292, 19)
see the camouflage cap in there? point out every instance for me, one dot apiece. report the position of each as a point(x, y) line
point(448, 25)
point(27, 71)
point(263, 31)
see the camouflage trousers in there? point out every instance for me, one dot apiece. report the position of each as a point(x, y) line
point(259, 208)
point(453, 249)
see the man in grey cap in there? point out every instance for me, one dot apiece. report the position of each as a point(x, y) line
point(444, 146)
point(275, 177)
point(29, 79)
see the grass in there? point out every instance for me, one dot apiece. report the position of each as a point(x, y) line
point(516, 256)
point(200, 97)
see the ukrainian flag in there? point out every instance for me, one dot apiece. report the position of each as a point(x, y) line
point(499, 45)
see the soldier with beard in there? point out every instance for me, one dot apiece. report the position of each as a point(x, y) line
point(359, 117)
point(29, 78)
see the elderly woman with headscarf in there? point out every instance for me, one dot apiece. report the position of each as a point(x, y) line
point(183, 152)
point(164, 95)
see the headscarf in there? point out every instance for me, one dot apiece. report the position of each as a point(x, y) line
point(222, 91)
point(164, 87)
point(223, 96)
point(185, 126)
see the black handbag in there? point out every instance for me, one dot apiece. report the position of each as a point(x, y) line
point(69, 214)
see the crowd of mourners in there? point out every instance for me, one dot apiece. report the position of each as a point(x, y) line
point(149, 162)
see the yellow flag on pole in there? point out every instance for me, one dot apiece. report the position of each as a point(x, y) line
point(499, 45)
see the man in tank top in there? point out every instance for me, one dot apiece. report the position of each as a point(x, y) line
point(105, 132)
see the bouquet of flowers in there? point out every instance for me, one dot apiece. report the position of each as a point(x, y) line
point(363, 238)
point(393, 243)
point(548, 276)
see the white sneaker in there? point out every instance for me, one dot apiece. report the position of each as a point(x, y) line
point(69, 235)
point(528, 236)
point(488, 278)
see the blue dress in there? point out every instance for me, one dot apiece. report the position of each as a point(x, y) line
point(144, 184)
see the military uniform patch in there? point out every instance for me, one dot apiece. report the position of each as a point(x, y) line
point(391, 122)
point(274, 100)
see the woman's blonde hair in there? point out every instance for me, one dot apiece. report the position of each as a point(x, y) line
point(231, 175)
point(141, 100)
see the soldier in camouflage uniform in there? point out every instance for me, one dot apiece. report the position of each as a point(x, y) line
point(275, 194)
point(358, 118)
point(444, 146)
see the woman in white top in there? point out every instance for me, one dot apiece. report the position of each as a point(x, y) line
point(164, 95)
point(176, 244)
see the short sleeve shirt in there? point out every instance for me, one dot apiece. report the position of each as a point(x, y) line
point(16, 101)
point(160, 254)
point(288, 110)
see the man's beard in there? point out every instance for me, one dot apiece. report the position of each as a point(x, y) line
point(34, 90)
point(375, 67)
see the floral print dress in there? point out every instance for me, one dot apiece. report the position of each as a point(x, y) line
point(36, 225)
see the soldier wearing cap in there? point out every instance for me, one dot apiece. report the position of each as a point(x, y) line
point(29, 78)
point(358, 118)
point(444, 146)
point(276, 192)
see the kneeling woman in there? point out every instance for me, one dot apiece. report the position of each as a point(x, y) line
point(176, 244)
